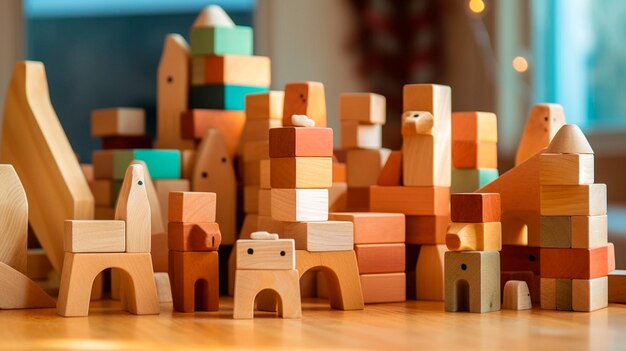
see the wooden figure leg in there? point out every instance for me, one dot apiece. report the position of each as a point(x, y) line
point(249, 283)
point(195, 280)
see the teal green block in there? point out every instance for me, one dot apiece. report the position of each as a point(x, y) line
point(236, 40)
point(472, 179)
point(221, 97)
point(162, 164)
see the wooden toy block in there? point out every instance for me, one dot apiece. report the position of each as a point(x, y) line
point(617, 287)
point(544, 121)
point(573, 200)
point(429, 272)
point(163, 188)
point(104, 213)
point(87, 170)
point(265, 174)
point(373, 228)
point(13, 220)
point(187, 163)
point(139, 292)
point(364, 165)
point(87, 236)
point(428, 230)
point(548, 293)
point(301, 172)
point(417, 123)
point(469, 180)
point(193, 236)
point(195, 283)
point(474, 126)
point(520, 258)
point(574, 263)
point(590, 294)
point(338, 197)
point(564, 294)
point(475, 207)
point(34, 143)
point(162, 164)
point(391, 173)
point(251, 173)
point(425, 162)
point(299, 205)
point(339, 172)
point(569, 139)
point(341, 275)
point(432, 98)
point(235, 40)
point(380, 258)
point(121, 121)
point(265, 254)
point(383, 288)
point(221, 96)
point(589, 232)
point(156, 221)
point(366, 108)
point(555, 232)
point(19, 292)
point(301, 142)
point(38, 265)
point(102, 161)
point(472, 281)
point(265, 202)
point(213, 16)
point(126, 142)
point(305, 98)
point(133, 207)
point(159, 251)
point(231, 69)
point(414, 200)
point(192, 207)
point(611, 256)
point(251, 199)
point(474, 236)
point(269, 224)
point(255, 151)
point(566, 169)
point(173, 92)
point(257, 130)
point(358, 199)
point(102, 190)
point(196, 123)
point(472, 154)
point(268, 105)
point(531, 279)
point(361, 136)
point(284, 283)
point(214, 172)
point(516, 296)
point(163, 286)
point(321, 236)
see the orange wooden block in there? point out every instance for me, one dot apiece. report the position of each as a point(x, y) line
point(358, 199)
point(187, 163)
point(194, 279)
point(366, 108)
point(268, 105)
point(102, 161)
point(380, 258)
point(382, 288)
point(373, 228)
point(301, 142)
point(193, 236)
point(520, 258)
point(102, 190)
point(231, 69)
point(428, 230)
point(339, 172)
point(474, 126)
point(471, 154)
point(574, 263)
point(301, 172)
point(195, 124)
point(187, 206)
point(391, 173)
point(475, 207)
point(305, 98)
point(414, 200)
point(258, 130)
point(120, 121)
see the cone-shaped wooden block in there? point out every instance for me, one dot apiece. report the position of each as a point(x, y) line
point(213, 16)
point(569, 140)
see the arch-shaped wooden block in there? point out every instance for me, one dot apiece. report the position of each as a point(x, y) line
point(195, 280)
point(250, 283)
point(139, 297)
point(516, 296)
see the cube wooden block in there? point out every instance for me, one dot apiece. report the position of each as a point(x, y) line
point(301, 172)
point(474, 236)
point(563, 294)
point(391, 173)
point(364, 165)
point(102, 190)
point(383, 288)
point(428, 97)
point(192, 207)
point(164, 187)
point(475, 207)
point(426, 161)
point(373, 228)
point(90, 236)
point(265, 254)
point(265, 202)
point(221, 96)
point(358, 199)
point(380, 258)
point(414, 200)
point(301, 142)
point(265, 174)
point(197, 122)
point(590, 294)
point(305, 98)
point(474, 126)
point(161, 163)
point(472, 281)
point(472, 154)
point(367, 108)
point(258, 130)
point(235, 40)
point(429, 230)
point(251, 199)
point(556, 232)
point(361, 136)
point(102, 161)
point(194, 278)
point(471, 179)
point(321, 236)
point(520, 258)
point(251, 173)
point(255, 151)
point(268, 105)
point(231, 69)
point(573, 200)
point(574, 263)
point(589, 232)
point(269, 224)
point(121, 121)
point(548, 293)
point(338, 197)
point(617, 286)
point(566, 169)
point(339, 172)
point(300, 205)
point(193, 236)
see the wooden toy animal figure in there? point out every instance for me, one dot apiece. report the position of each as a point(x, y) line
point(543, 122)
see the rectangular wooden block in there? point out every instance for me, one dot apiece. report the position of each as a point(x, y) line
point(361, 136)
point(265, 174)
point(321, 236)
point(566, 169)
point(265, 202)
point(380, 258)
point(126, 142)
point(102, 190)
point(164, 187)
point(301, 142)
point(472, 281)
point(193, 236)
point(162, 163)
point(617, 286)
point(196, 123)
point(555, 232)
point(231, 69)
point(471, 154)
point(191, 207)
point(383, 288)
point(373, 228)
point(357, 199)
point(574, 263)
point(301, 172)
point(414, 200)
point(433, 98)
point(474, 126)
point(475, 207)
point(590, 294)
point(428, 230)
point(364, 165)
point(254, 151)
point(269, 224)
point(268, 105)
point(573, 200)
point(300, 205)
point(548, 293)
point(305, 98)
point(367, 108)
point(474, 236)
point(589, 232)
point(520, 258)
point(391, 173)
point(102, 161)
point(221, 96)
point(235, 40)
point(251, 199)
point(339, 172)
point(257, 130)
point(338, 197)
point(265, 254)
point(87, 236)
point(121, 121)
point(471, 179)
point(564, 294)
point(426, 161)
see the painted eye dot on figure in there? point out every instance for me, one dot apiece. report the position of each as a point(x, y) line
point(224, 159)
point(140, 182)
point(250, 251)
point(464, 266)
point(205, 174)
point(283, 253)
point(170, 79)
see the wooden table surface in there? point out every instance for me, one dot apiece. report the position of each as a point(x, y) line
point(412, 325)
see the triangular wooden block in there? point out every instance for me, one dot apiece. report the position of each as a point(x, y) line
point(569, 140)
point(391, 174)
point(213, 16)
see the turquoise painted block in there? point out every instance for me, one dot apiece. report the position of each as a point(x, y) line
point(162, 164)
point(236, 40)
point(221, 97)
point(472, 179)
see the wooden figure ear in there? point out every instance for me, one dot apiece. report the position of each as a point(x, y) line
point(417, 123)
point(133, 207)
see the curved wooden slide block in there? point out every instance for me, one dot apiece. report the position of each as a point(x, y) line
point(18, 291)
point(13, 219)
point(249, 283)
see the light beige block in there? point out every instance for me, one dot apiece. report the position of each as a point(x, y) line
point(88, 236)
point(589, 232)
point(364, 165)
point(362, 107)
point(265, 202)
point(321, 236)
point(590, 294)
point(516, 296)
point(573, 200)
point(566, 169)
point(299, 205)
point(266, 254)
point(361, 136)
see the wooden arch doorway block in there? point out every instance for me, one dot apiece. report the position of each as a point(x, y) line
point(250, 283)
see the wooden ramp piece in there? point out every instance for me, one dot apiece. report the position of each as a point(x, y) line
point(34, 142)
point(13, 219)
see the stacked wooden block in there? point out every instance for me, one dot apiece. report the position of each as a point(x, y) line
point(472, 266)
point(193, 240)
point(362, 116)
point(575, 255)
point(474, 150)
